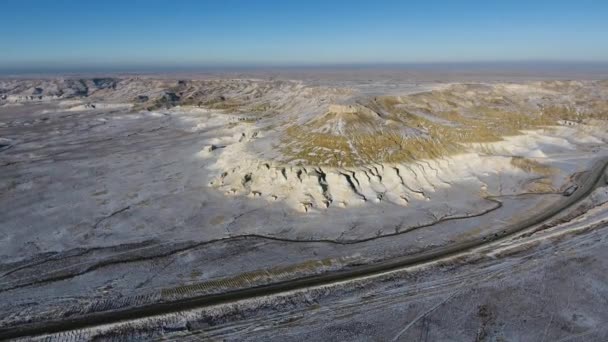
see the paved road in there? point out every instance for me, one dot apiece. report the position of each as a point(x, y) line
point(596, 177)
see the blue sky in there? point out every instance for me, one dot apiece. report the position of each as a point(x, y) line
point(62, 33)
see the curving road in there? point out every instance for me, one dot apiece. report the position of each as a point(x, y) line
point(595, 178)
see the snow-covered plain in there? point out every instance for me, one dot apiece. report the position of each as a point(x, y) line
point(124, 187)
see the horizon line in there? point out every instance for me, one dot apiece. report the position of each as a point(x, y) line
point(130, 67)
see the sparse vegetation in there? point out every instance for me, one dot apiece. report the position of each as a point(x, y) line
point(532, 166)
point(317, 148)
point(542, 184)
point(377, 131)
